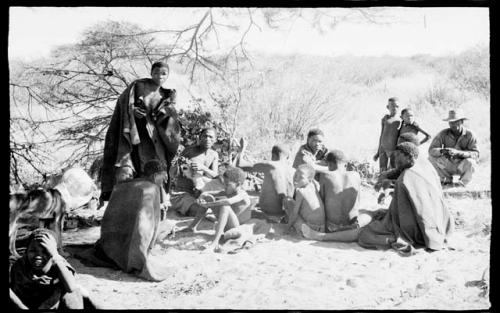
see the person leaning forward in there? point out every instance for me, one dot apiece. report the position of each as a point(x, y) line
point(454, 150)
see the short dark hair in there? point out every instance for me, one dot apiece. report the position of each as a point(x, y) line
point(335, 156)
point(279, 150)
point(409, 137)
point(235, 175)
point(154, 166)
point(207, 129)
point(160, 64)
point(314, 132)
point(406, 110)
point(308, 169)
point(393, 99)
point(408, 149)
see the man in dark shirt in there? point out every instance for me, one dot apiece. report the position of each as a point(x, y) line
point(313, 151)
point(454, 150)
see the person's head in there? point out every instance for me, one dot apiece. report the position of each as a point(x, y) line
point(405, 155)
point(315, 138)
point(407, 116)
point(410, 137)
point(278, 152)
point(335, 160)
point(234, 177)
point(37, 255)
point(208, 137)
point(303, 175)
point(159, 72)
point(123, 174)
point(393, 105)
point(455, 120)
point(155, 171)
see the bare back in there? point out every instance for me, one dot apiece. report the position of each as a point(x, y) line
point(340, 193)
point(278, 183)
point(312, 209)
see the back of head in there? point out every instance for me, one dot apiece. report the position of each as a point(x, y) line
point(308, 170)
point(408, 149)
point(153, 166)
point(409, 137)
point(279, 150)
point(393, 99)
point(235, 175)
point(336, 156)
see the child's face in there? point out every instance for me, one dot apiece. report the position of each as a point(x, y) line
point(38, 256)
point(123, 174)
point(159, 75)
point(393, 107)
point(315, 142)
point(230, 186)
point(300, 179)
point(408, 117)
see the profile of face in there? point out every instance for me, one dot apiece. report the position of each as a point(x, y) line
point(401, 160)
point(159, 75)
point(315, 142)
point(207, 139)
point(300, 178)
point(123, 174)
point(38, 257)
point(408, 117)
point(230, 187)
point(393, 107)
point(160, 177)
point(456, 126)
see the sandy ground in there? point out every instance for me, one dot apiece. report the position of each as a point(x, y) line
point(287, 272)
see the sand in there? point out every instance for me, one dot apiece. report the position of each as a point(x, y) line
point(283, 271)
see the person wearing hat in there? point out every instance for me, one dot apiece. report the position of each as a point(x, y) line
point(454, 150)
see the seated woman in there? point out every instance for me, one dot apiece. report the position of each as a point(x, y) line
point(417, 216)
point(43, 279)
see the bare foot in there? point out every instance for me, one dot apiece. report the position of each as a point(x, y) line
point(309, 233)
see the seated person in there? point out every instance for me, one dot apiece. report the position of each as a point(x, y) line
point(313, 152)
point(308, 209)
point(129, 227)
point(203, 161)
point(122, 174)
point(43, 279)
point(277, 185)
point(417, 215)
point(231, 211)
point(339, 190)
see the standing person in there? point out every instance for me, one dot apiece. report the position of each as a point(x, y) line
point(205, 162)
point(388, 136)
point(454, 150)
point(409, 125)
point(313, 151)
point(143, 127)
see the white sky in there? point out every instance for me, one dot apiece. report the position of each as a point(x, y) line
point(34, 31)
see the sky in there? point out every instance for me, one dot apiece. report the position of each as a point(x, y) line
point(35, 31)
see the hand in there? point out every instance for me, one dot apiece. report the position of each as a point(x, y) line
point(139, 112)
point(375, 157)
point(198, 166)
point(49, 243)
point(451, 151)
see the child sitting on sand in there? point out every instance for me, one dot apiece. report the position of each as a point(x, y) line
point(43, 279)
point(231, 207)
point(308, 208)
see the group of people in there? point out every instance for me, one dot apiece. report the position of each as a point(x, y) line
point(316, 196)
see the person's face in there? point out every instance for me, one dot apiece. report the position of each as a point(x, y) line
point(160, 178)
point(38, 256)
point(401, 159)
point(124, 174)
point(207, 139)
point(230, 186)
point(159, 75)
point(408, 117)
point(300, 179)
point(456, 126)
point(393, 107)
point(315, 142)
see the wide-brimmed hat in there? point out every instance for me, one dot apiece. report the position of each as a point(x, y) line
point(455, 115)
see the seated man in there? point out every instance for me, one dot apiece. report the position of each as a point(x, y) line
point(277, 185)
point(232, 208)
point(339, 190)
point(308, 209)
point(130, 224)
point(417, 215)
point(203, 161)
point(313, 151)
point(454, 151)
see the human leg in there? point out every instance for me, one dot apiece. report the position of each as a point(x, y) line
point(349, 235)
point(466, 168)
point(444, 167)
point(227, 219)
point(383, 160)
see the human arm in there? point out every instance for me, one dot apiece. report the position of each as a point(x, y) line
point(240, 196)
point(427, 136)
point(293, 213)
point(436, 146)
point(210, 171)
point(16, 301)
point(375, 157)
